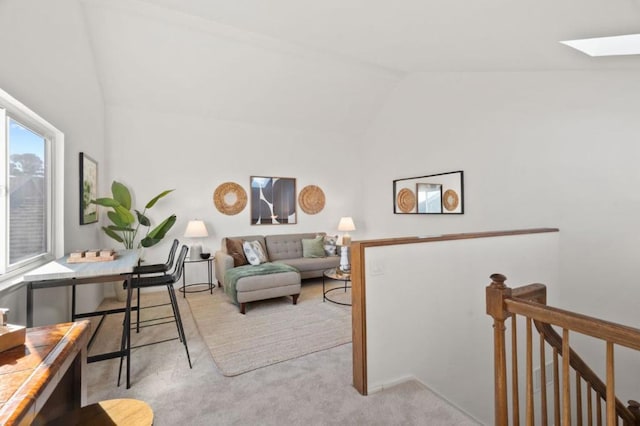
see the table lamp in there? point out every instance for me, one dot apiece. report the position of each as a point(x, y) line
point(346, 224)
point(195, 229)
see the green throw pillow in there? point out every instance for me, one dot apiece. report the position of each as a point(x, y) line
point(313, 247)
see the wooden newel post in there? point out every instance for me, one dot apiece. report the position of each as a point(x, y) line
point(496, 293)
point(634, 407)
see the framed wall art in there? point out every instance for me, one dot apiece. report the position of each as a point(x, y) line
point(88, 189)
point(273, 200)
point(442, 193)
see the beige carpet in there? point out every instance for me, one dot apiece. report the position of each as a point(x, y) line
point(312, 390)
point(273, 330)
point(156, 312)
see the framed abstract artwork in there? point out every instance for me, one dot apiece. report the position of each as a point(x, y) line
point(88, 189)
point(273, 200)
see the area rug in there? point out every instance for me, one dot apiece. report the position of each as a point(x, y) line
point(271, 331)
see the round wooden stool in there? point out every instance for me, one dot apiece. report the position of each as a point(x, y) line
point(129, 412)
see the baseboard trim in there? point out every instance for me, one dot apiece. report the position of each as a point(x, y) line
point(382, 386)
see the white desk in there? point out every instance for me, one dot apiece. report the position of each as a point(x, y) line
point(59, 269)
point(59, 273)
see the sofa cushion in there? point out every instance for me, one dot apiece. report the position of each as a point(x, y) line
point(265, 276)
point(264, 281)
point(304, 264)
point(330, 245)
point(313, 247)
point(235, 250)
point(244, 238)
point(286, 246)
point(254, 252)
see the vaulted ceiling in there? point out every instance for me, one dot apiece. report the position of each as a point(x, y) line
point(328, 64)
point(423, 35)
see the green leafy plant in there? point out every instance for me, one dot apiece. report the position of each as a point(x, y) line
point(125, 224)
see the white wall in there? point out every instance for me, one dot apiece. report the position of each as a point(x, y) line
point(152, 151)
point(426, 311)
point(192, 103)
point(47, 64)
point(554, 149)
point(538, 149)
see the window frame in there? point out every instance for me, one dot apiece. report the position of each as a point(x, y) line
point(54, 175)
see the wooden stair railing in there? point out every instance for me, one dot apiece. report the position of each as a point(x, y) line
point(528, 304)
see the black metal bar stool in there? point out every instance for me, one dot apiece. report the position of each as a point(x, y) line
point(159, 268)
point(154, 281)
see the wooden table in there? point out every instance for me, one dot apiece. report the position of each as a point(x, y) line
point(59, 273)
point(43, 379)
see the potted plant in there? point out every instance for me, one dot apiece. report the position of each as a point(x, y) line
point(125, 224)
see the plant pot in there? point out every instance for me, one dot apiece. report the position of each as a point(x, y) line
point(121, 293)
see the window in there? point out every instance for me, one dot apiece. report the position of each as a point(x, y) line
point(31, 181)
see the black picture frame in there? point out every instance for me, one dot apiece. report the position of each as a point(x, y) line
point(273, 200)
point(406, 196)
point(88, 189)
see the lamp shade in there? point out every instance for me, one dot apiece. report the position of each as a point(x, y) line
point(196, 229)
point(346, 224)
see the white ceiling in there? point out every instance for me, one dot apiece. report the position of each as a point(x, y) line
point(423, 35)
point(327, 65)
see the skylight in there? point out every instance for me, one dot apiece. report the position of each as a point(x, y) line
point(607, 46)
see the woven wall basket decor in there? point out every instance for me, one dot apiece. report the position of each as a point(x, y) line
point(230, 198)
point(311, 199)
point(450, 200)
point(406, 200)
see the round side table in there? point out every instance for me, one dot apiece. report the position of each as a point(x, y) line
point(185, 286)
point(335, 274)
